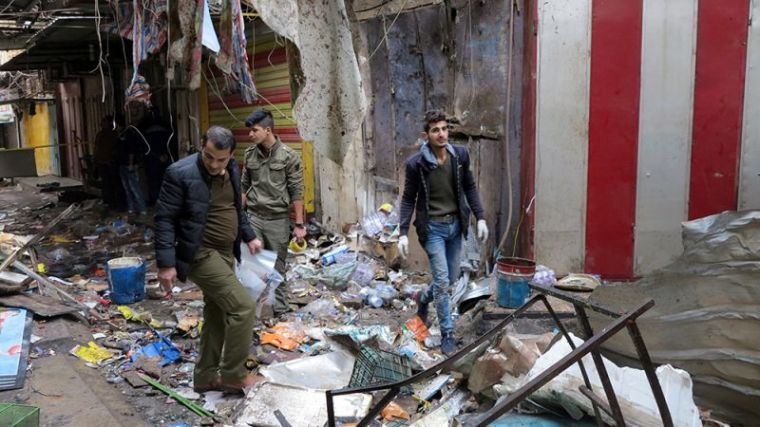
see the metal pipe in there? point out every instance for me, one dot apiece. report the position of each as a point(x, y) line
point(654, 382)
point(569, 297)
point(570, 342)
point(604, 376)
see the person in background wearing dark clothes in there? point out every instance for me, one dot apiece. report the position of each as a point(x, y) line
point(131, 147)
point(159, 157)
point(440, 189)
point(106, 144)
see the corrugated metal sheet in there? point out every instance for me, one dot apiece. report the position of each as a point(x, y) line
point(272, 78)
point(680, 159)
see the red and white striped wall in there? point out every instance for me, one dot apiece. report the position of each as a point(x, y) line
point(646, 113)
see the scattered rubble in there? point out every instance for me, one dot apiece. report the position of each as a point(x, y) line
point(353, 323)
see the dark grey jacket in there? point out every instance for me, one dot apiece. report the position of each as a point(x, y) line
point(182, 210)
point(417, 190)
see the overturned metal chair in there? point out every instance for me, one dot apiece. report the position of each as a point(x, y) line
point(592, 345)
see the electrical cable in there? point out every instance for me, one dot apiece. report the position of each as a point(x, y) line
point(472, 62)
point(6, 7)
point(100, 53)
point(507, 131)
point(141, 136)
point(386, 29)
point(169, 79)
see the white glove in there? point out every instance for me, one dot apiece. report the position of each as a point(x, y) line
point(403, 246)
point(482, 230)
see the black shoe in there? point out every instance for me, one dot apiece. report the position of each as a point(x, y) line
point(422, 308)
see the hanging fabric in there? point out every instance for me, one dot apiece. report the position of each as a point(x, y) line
point(233, 57)
point(187, 50)
point(153, 23)
point(145, 22)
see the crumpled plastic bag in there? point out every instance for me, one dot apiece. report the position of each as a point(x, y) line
point(93, 353)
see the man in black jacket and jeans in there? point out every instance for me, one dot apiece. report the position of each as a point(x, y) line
point(200, 223)
point(439, 185)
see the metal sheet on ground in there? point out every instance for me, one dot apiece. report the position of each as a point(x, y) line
point(38, 304)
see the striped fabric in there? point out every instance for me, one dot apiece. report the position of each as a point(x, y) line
point(646, 114)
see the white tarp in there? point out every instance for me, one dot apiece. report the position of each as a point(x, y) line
point(631, 388)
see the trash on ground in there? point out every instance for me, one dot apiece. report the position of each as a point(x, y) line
point(299, 406)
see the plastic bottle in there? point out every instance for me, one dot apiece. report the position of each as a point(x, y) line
point(372, 224)
point(331, 257)
point(375, 301)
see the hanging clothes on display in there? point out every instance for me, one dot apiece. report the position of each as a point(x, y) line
point(233, 57)
point(187, 50)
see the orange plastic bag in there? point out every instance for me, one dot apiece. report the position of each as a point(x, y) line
point(416, 326)
point(278, 341)
point(394, 412)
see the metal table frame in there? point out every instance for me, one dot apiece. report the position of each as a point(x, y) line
point(592, 345)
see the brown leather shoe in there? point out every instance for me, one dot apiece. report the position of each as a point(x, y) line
point(215, 385)
point(239, 387)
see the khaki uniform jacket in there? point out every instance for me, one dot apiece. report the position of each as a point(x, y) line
point(271, 183)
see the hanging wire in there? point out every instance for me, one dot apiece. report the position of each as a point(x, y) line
point(386, 29)
point(169, 78)
point(100, 53)
point(8, 6)
point(472, 61)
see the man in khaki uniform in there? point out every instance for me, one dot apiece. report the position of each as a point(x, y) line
point(272, 181)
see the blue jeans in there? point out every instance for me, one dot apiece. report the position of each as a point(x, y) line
point(443, 244)
point(131, 183)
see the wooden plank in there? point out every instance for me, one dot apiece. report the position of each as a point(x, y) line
point(14, 279)
point(370, 9)
point(39, 236)
point(436, 43)
point(382, 135)
point(405, 62)
point(481, 38)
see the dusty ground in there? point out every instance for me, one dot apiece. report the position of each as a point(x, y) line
point(71, 393)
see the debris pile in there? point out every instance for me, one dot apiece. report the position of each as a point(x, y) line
point(352, 324)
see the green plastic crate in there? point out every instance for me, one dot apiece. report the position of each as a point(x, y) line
point(378, 367)
point(14, 415)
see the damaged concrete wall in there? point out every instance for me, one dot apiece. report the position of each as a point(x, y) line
point(331, 103)
point(453, 56)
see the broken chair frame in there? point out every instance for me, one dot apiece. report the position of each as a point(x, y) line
point(591, 345)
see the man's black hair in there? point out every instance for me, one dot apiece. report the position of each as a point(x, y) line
point(434, 116)
point(260, 117)
point(221, 137)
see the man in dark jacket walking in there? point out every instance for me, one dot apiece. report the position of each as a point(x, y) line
point(200, 223)
point(439, 185)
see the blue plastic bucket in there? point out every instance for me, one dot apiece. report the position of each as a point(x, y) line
point(512, 289)
point(127, 278)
